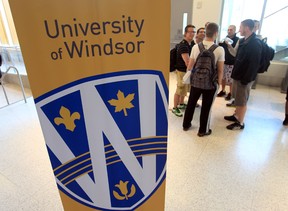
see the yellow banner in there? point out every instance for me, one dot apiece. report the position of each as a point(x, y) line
point(98, 70)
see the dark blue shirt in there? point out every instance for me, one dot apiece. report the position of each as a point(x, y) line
point(247, 60)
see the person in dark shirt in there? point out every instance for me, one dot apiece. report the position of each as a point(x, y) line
point(183, 53)
point(229, 63)
point(244, 72)
point(285, 122)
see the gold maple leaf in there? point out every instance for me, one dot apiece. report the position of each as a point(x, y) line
point(122, 103)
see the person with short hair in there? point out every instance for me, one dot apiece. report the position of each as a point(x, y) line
point(259, 36)
point(244, 72)
point(256, 29)
point(229, 63)
point(200, 35)
point(208, 94)
point(183, 53)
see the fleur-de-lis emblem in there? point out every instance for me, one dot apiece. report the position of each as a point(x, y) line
point(124, 191)
point(122, 103)
point(67, 119)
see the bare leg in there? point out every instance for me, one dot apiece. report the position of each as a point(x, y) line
point(223, 85)
point(176, 100)
point(181, 99)
point(230, 88)
point(240, 113)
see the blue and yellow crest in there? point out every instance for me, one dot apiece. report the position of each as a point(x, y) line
point(107, 137)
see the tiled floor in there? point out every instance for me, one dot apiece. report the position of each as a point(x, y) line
point(229, 170)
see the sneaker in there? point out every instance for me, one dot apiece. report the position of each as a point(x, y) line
point(205, 134)
point(228, 97)
point(235, 126)
point(221, 94)
point(187, 128)
point(231, 118)
point(232, 104)
point(177, 112)
point(285, 122)
point(182, 106)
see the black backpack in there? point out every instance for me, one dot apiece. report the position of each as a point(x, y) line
point(267, 55)
point(173, 58)
point(204, 73)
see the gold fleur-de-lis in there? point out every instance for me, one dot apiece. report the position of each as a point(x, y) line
point(122, 103)
point(124, 191)
point(67, 119)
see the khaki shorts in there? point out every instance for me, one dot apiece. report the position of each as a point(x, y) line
point(182, 89)
point(241, 92)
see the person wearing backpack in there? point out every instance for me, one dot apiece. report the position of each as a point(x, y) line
point(183, 53)
point(206, 63)
point(244, 72)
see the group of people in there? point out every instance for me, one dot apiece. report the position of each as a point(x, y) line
point(236, 62)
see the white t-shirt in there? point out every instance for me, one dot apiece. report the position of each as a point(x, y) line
point(219, 52)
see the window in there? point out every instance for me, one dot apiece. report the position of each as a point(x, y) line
point(185, 17)
point(8, 34)
point(272, 14)
point(9, 45)
point(275, 28)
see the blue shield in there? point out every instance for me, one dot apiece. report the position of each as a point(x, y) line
point(106, 136)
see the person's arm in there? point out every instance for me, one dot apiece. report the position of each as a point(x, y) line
point(233, 51)
point(190, 64)
point(185, 57)
point(253, 61)
point(220, 69)
point(192, 58)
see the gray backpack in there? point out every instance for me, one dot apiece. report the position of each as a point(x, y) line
point(204, 73)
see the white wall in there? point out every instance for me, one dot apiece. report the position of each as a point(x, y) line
point(206, 11)
point(178, 7)
point(275, 74)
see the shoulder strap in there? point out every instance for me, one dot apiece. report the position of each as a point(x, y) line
point(201, 47)
point(213, 47)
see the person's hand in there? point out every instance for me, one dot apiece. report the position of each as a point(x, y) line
point(228, 44)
